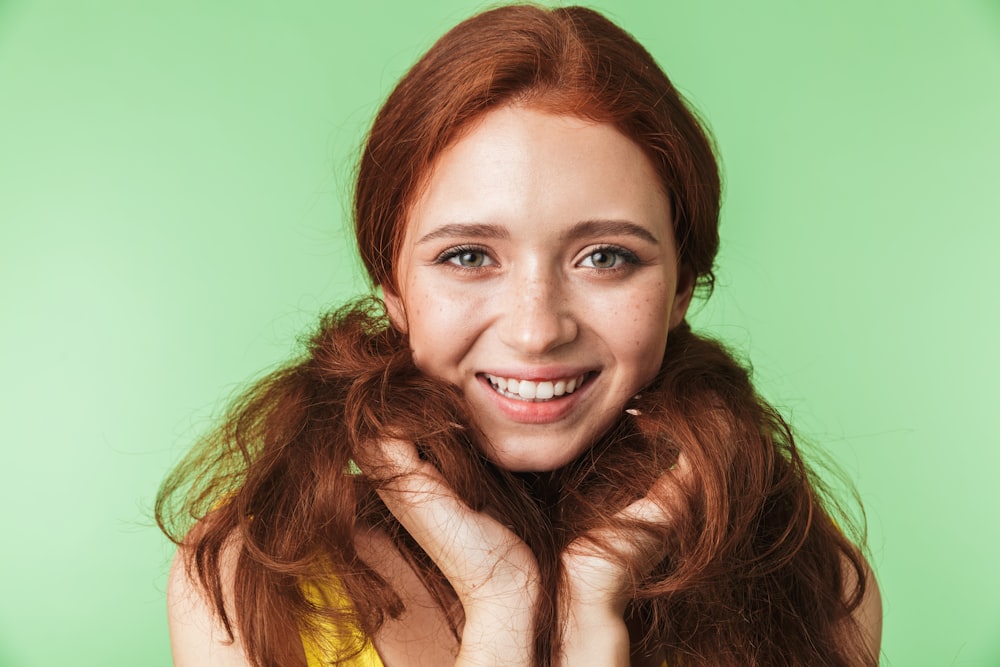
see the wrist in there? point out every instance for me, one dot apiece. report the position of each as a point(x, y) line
point(583, 619)
point(497, 638)
point(593, 598)
point(499, 628)
point(594, 636)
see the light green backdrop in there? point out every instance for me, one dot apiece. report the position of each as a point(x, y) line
point(173, 191)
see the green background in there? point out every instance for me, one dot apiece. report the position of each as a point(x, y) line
point(174, 179)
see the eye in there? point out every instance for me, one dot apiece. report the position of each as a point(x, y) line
point(609, 257)
point(466, 257)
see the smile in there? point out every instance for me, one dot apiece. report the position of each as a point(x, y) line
point(534, 391)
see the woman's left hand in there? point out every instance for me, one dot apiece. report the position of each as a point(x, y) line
point(598, 584)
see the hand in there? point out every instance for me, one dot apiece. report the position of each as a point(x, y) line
point(598, 582)
point(493, 572)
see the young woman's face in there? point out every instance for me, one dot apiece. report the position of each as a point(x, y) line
point(539, 275)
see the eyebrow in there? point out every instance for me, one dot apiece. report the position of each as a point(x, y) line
point(609, 228)
point(466, 229)
point(584, 229)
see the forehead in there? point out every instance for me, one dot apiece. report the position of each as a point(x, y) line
point(517, 163)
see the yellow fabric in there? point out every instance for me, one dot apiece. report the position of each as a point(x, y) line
point(333, 595)
point(367, 658)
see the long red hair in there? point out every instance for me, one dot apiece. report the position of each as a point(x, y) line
point(756, 574)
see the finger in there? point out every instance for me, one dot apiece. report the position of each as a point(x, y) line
point(662, 502)
point(656, 510)
point(469, 547)
point(391, 457)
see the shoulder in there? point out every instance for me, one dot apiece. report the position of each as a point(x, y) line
point(198, 636)
point(867, 615)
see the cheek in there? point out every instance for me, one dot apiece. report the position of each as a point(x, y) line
point(422, 336)
point(439, 332)
point(640, 331)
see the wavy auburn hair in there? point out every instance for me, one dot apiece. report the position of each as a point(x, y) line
point(758, 572)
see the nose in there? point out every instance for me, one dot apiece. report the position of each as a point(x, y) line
point(538, 316)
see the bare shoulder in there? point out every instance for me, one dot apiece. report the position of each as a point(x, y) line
point(868, 614)
point(197, 636)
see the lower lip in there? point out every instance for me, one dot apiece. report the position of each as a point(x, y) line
point(535, 412)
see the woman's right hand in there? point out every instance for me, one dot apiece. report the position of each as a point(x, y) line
point(493, 572)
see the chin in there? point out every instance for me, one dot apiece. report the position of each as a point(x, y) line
point(540, 447)
point(536, 457)
point(526, 465)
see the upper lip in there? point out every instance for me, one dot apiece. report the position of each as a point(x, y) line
point(536, 374)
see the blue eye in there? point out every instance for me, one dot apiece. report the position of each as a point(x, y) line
point(602, 259)
point(469, 258)
point(465, 257)
point(609, 258)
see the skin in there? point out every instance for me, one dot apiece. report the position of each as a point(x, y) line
point(495, 575)
point(541, 249)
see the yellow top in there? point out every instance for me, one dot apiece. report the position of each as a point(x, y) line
point(367, 658)
point(331, 594)
point(334, 596)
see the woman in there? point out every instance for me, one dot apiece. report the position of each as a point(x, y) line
point(521, 454)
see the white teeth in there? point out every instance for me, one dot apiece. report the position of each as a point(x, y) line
point(530, 390)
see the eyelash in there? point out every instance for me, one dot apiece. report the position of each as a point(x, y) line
point(626, 257)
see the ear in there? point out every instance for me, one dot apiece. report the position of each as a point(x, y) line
point(682, 298)
point(394, 308)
